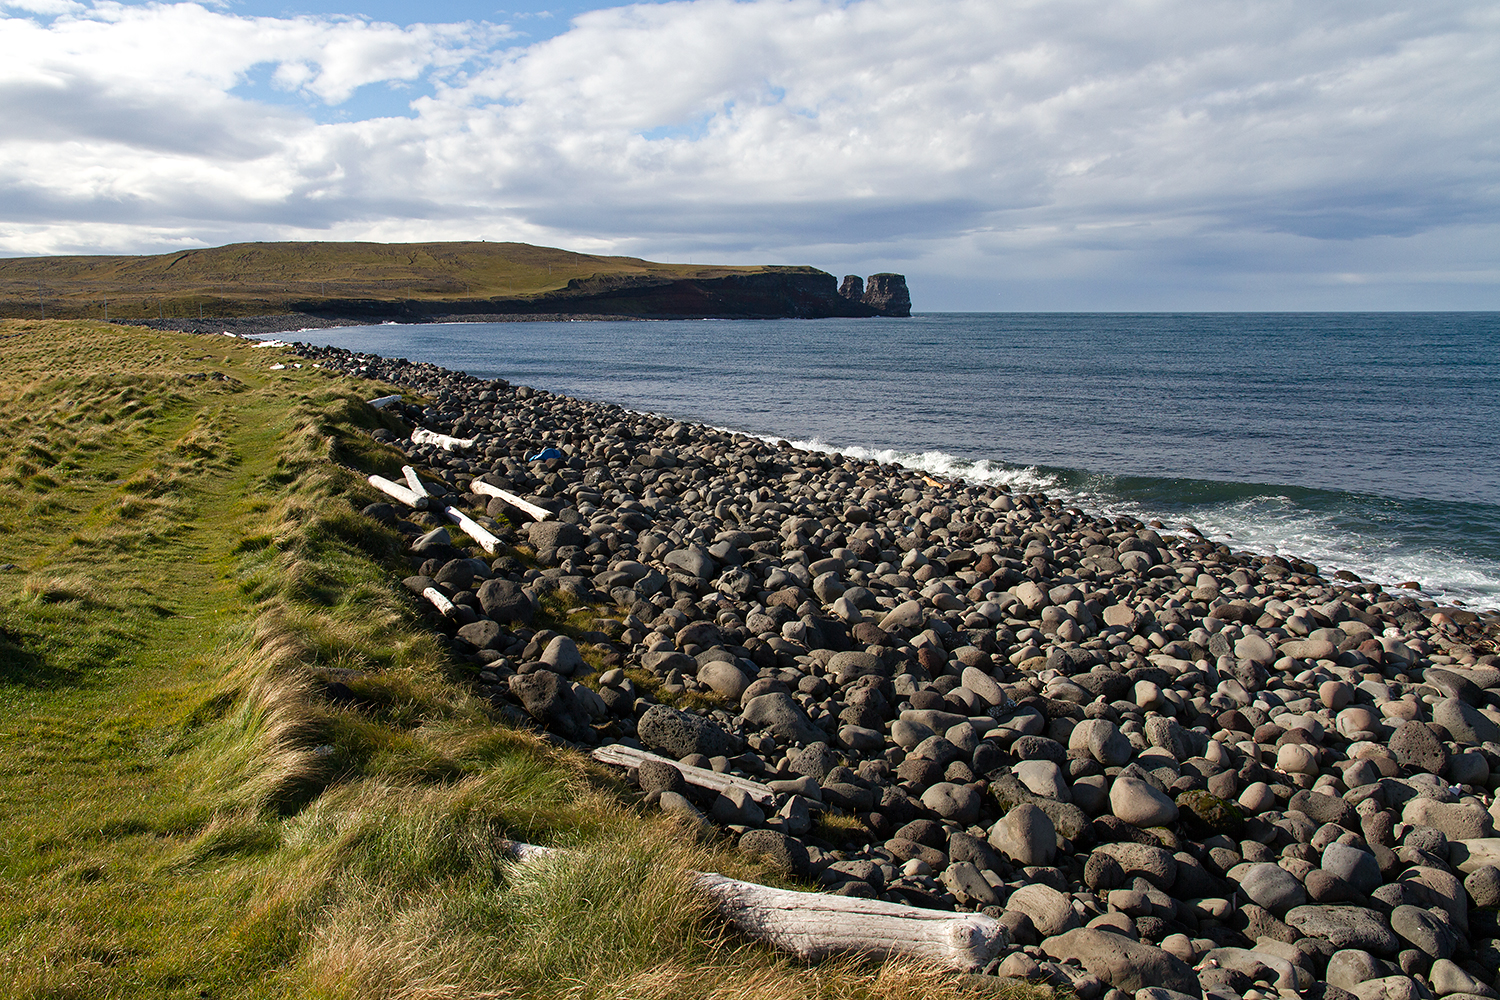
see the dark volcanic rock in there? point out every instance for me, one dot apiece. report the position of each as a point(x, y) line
point(886, 294)
point(676, 733)
point(550, 700)
point(504, 602)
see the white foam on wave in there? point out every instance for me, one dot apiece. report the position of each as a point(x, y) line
point(940, 463)
point(1268, 525)
point(1276, 525)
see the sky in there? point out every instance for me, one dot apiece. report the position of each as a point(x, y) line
point(1004, 155)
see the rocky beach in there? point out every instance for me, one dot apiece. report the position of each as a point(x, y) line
point(1164, 766)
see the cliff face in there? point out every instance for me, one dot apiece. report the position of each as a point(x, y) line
point(883, 294)
point(887, 294)
point(798, 293)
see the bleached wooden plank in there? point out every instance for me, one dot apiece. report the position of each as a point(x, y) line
point(621, 756)
point(815, 925)
point(526, 507)
point(439, 601)
point(395, 490)
point(414, 481)
point(447, 442)
point(476, 531)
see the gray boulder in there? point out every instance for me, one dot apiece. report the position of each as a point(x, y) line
point(780, 713)
point(549, 699)
point(694, 561)
point(505, 602)
point(561, 656)
point(1124, 964)
point(676, 734)
point(850, 665)
point(1345, 927)
point(549, 535)
point(1424, 930)
point(952, 801)
point(1272, 886)
point(1465, 723)
point(483, 634)
point(1417, 747)
point(1359, 868)
point(1026, 835)
point(1138, 803)
point(786, 853)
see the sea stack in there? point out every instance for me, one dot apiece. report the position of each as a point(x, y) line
point(887, 294)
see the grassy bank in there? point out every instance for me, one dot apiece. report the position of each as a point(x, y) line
point(183, 809)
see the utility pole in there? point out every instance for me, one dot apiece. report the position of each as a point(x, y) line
point(41, 301)
point(106, 309)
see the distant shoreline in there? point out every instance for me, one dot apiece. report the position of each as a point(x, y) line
point(252, 326)
point(255, 326)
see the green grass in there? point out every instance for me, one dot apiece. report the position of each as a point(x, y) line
point(246, 279)
point(182, 814)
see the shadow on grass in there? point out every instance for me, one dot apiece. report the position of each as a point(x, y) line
point(22, 665)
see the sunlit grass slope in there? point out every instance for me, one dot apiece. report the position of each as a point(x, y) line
point(246, 279)
point(182, 811)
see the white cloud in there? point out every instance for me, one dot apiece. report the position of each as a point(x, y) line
point(47, 8)
point(1194, 147)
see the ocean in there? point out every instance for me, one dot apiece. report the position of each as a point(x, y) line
point(1361, 441)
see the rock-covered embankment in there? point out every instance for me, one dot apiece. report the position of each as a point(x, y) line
point(1168, 768)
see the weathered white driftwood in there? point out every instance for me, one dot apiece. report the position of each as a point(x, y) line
point(700, 776)
point(381, 402)
point(814, 925)
point(445, 607)
point(414, 481)
point(473, 529)
point(526, 507)
point(395, 490)
point(422, 435)
point(417, 492)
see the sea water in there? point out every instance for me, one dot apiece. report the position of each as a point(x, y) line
point(1360, 441)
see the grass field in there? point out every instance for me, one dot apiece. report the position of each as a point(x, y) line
point(182, 812)
point(252, 279)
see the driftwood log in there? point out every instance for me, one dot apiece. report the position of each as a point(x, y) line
point(414, 481)
point(703, 777)
point(530, 509)
point(412, 496)
point(474, 530)
point(395, 490)
point(381, 402)
point(440, 601)
point(422, 435)
point(814, 925)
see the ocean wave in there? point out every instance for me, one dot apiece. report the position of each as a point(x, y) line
point(1275, 524)
point(1245, 516)
point(940, 463)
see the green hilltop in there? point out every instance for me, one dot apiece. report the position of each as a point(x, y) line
point(251, 279)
